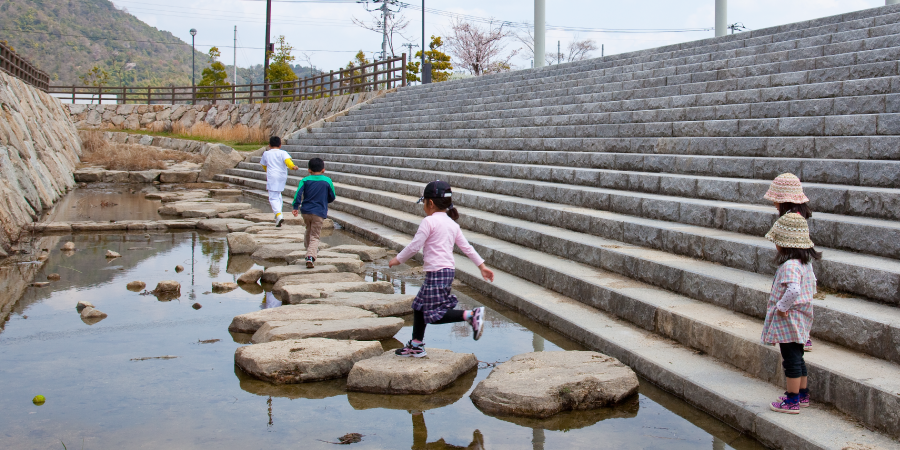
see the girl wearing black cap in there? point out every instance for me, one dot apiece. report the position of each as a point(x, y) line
point(436, 236)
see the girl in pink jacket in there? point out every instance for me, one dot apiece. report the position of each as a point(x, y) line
point(436, 236)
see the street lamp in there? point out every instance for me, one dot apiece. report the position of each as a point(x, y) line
point(193, 57)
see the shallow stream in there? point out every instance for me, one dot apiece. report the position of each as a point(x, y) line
point(100, 397)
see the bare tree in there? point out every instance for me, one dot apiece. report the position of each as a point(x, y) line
point(396, 24)
point(478, 50)
point(576, 50)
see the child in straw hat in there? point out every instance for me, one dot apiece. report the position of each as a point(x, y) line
point(789, 313)
point(786, 193)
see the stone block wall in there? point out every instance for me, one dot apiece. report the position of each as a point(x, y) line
point(281, 119)
point(39, 148)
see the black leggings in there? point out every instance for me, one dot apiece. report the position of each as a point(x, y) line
point(794, 365)
point(451, 316)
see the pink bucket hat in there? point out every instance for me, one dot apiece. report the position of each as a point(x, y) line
point(786, 188)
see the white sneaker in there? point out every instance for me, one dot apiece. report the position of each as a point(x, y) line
point(478, 322)
point(279, 220)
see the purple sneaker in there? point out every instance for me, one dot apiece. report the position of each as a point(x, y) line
point(807, 347)
point(804, 400)
point(784, 405)
point(477, 322)
point(412, 350)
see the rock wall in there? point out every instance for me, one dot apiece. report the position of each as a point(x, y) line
point(281, 119)
point(39, 148)
point(184, 145)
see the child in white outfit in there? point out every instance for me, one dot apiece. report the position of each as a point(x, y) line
point(276, 163)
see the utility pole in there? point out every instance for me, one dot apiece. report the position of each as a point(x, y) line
point(540, 28)
point(558, 53)
point(426, 67)
point(234, 77)
point(721, 17)
point(267, 47)
point(385, 16)
point(602, 50)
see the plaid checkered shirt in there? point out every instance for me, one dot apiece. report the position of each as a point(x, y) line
point(795, 327)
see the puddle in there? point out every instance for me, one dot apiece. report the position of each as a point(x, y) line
point(96, 393)
point(104, 202)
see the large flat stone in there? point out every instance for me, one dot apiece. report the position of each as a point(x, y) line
point(270, 218)
point(250, 322)
point(343, 264)
point(179, 176)
point(304, 360)
point(179, 207)
point(221, 224)
point(274, 274)
point(445, 397)
point(300, 255)
point(366, 329)
point(392, 374)
point(297, 293)
point(365, 252)
point(317, 278)
point(541, 384)
point(241, 243)
point(382, 304)
point(279, 251)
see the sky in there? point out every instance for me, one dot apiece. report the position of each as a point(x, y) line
point(323, 34)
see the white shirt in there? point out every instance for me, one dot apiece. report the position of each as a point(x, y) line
point(276, 169)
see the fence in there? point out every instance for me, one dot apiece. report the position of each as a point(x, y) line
point(15, 65)
point(374, 76)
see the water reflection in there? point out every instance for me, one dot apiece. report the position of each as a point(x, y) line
point(315, 390)
point(420, 437)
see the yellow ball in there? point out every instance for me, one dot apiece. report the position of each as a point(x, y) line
point(38, 400)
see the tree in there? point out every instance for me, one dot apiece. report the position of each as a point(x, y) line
point(441, 67)
point(95, 77)
point(576, 50)
point(394, 26)
point(214, 75)
point(478, 50)
point(280, 70)
point(358, 61)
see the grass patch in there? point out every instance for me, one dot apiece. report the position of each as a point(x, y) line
point(96, 150)
point(240, 137)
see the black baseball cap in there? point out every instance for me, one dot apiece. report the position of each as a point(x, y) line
point(436, 189)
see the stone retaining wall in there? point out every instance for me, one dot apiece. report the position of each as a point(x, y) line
point(39, 148)
point(281, 119)
point(184, 145)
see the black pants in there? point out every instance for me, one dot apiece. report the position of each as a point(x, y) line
point(794, 365)
point(453, 315)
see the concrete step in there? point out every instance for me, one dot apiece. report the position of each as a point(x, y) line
point(707, 383)
point(571, 111)
point(829, 198)
point(874, 277)
point(732, 47)
point(876, 330)
point(859, 147)
point(852, 172)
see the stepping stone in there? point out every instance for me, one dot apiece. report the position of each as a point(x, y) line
point(342, 264)
point(176, 208)
point(250, 276)
point(303, 360)
point(440, 399)
point(367, 329)
point(294, 294)
point(298, 256)
point(273, 274)
point(365, 252)
point(223, 224)
point(250, 322)
point(289, 219)
point(382, 304)
point(237, 214)
point(541, 384)
point(221, 287)
point(241, 244)
point(224, 192)
point(392, 374)
point(317, 278)
point(278, 251)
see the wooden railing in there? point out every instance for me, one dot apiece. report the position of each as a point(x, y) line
point(370, 77)
point(15, 65)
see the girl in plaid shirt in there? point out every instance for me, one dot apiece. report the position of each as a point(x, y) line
point(789, 314)
point(436, 235)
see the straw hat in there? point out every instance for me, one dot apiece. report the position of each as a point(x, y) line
point(786, 188)
point(790, 231)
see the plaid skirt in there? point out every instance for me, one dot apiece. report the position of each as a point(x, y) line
point(434, 298)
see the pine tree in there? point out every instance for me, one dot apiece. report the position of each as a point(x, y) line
point(441, 67)
point(214, 75)
point(280, 70)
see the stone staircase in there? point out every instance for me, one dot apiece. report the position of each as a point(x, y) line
point(621, 200)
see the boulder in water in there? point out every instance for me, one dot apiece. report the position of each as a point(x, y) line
point(303, 360)
point(392, 374)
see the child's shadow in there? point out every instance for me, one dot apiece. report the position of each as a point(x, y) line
point(420, 437)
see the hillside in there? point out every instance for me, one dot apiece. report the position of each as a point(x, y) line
point(67, 38)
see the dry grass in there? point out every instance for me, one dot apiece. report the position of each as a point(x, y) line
point(96, 150)
point(239, 134)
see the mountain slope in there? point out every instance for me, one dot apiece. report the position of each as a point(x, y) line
point(66, 38)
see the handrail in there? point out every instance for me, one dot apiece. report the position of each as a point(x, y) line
point(369, 77)
point(17, 66)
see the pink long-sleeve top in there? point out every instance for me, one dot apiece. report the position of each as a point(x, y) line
point(436, 236)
